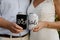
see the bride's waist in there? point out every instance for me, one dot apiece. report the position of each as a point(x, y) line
point(47, 19)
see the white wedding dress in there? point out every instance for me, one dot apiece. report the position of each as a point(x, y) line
point(45, 12)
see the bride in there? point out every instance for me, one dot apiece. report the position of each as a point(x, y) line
point(46, 12)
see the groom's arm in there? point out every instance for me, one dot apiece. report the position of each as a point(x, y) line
point(14, 28)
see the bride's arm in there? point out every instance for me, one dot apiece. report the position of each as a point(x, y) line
point(54, 25)
point(57, 8)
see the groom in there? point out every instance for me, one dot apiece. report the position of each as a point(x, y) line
point(8, 11)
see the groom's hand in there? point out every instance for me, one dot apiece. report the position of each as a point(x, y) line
point(13, 27)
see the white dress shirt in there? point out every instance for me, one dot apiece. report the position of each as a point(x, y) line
point(9, 9)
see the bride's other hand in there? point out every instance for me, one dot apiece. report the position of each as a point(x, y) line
point(40, 26)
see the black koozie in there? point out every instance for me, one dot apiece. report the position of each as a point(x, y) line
point(21, 20)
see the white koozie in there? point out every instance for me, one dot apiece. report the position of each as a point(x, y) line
point(33, 20)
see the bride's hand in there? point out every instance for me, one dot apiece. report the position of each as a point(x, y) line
point(40, 26)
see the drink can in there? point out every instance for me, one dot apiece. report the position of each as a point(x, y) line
point(21, 20)
point(32, 20)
